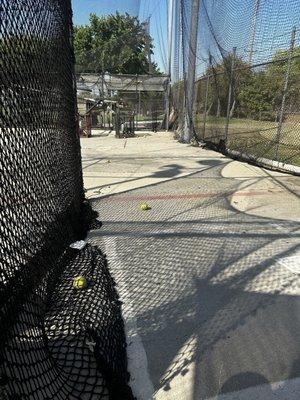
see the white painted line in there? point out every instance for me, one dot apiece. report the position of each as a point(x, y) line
point(140, 381)
point(285, 390)
point(292, 262)
point(180, 386)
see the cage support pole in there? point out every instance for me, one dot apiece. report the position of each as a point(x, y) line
point(188, 130)
point(285, 89)
point(170, 45)
point(230, 92)
point(253, 33)
point(205, 106)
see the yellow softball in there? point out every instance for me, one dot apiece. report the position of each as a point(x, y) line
point(145, 207)
point(79, 282)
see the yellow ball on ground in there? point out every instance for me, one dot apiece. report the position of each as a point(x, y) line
point(144, 207)
point(79, 282)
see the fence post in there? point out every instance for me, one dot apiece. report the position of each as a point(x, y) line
point(205, 106)
point(285, 88)
point(230, 92)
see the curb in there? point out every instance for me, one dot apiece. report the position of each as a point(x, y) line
point(264, 162)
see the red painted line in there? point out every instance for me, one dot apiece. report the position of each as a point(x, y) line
point(192, 196)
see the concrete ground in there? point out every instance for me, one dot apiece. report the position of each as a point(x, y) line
point(209, 276)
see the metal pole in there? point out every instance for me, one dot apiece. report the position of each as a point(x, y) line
point(170, 44)
point(117, 122)
point(230, 92)
point(190, 84)
point(102, 75)
point(139, 103)
point(205, 106)
point(147, 26)
point(148, 49)
point(256, 10)
point(168, 94)
point(136, 100)
point(102, 85)
point(285, 89)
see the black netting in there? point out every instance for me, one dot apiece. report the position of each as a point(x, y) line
point(67, 343)
point(55, 342)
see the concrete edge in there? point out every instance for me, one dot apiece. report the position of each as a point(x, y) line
point(265, 162)
point(288, 390)
point(259, 161)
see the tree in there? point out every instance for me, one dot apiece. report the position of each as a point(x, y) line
point(219, 85)
point(257, 94)
point(276, 73)
point(115, 43)
point(256, 99)
point(262, 97)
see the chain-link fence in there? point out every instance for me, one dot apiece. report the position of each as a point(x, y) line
point(247, 75)
point(55, 342)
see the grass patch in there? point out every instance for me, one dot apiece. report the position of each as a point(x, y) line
point(256, 138)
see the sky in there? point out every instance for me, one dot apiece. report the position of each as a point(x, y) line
point(155, 9)
point(232, 22)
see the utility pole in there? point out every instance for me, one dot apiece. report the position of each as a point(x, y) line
point(254, 24)
point(188, 129)
point(169, 71)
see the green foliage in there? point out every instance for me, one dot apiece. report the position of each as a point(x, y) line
point(114, 43)
point(256, 99)
point(219, 84)
point(257, 93)
point(276, 73)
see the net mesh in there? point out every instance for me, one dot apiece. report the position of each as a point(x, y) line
point(55, 342)
point(247, 75)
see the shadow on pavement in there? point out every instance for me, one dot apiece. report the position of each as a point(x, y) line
point(215, 306)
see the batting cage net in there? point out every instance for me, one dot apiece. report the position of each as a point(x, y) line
point(246, 95)
point(56, 341)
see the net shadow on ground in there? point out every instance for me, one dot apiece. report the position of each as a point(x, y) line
point(204, 282)
point(171, 171)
